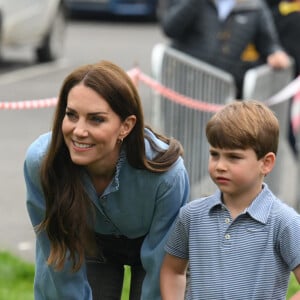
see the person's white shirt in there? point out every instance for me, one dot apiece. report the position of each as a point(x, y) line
point(224, 8)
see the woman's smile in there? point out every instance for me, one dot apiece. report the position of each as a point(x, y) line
point(79, 146)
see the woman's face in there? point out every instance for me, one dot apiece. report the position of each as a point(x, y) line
point(91, 129)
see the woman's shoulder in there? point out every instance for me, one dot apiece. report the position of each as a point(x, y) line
point(37, 150)
point(150, 151)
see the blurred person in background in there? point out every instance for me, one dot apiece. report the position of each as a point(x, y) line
point(102, 191)
point(287, 20)
point(233, 35)
point(219, 32)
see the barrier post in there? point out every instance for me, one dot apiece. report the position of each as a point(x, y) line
point(261, 83)
point(296, 127)
point(195, 79)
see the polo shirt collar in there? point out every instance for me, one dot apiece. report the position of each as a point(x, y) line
point(259, 209)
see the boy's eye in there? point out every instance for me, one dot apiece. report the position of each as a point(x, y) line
point(234, 157)
point(214, 154)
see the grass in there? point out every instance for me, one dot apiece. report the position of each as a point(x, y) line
point(126, 285)
point(16, 279)
point(293, 287)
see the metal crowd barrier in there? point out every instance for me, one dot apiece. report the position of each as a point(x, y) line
point(261, 83)
point(199, 80)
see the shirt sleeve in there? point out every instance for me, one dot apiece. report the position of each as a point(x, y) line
point(172, 194)
point(267, 40)
point(179, 17)
point(178, 241)
point(289, 241)
point(48, 283)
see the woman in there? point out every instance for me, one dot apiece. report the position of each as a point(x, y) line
point(103, 190)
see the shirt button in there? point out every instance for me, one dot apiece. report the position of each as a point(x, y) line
point(227, 236)
point(227, 220)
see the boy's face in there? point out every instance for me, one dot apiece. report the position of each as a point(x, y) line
point(237, 172)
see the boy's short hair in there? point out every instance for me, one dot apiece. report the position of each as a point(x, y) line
point(242, 125)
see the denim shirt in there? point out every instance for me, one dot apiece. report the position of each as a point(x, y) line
point(136, 203)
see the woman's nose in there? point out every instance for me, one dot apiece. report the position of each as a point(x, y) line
point(80, 129)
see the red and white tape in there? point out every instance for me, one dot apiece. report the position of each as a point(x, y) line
point(295, 113)
point(29, 104)
point(291, 90)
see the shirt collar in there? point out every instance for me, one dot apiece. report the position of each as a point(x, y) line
point(122, 158)
point(224, 8)
point(259, 209)
point(114, 185)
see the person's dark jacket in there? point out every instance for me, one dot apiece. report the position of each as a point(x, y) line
point(195, 29)
point(288, 28)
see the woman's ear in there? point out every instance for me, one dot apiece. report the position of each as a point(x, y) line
point(127, 126)
point(268, 163)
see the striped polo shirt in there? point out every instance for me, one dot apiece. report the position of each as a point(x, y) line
point(248, 258)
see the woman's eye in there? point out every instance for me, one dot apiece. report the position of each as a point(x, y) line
point(97, 119)
point(70, 115)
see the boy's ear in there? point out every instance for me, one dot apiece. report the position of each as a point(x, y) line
point(268, 163)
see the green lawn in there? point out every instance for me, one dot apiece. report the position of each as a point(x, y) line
point(16, 279)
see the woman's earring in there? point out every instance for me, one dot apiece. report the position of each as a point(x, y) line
point(120, 141)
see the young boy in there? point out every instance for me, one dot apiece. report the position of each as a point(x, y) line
point(242, 242)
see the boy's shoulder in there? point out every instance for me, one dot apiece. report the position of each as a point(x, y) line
point(278, 213)
point(203, 204)
point(282, 211)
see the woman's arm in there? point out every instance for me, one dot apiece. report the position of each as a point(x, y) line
point(173, 277)
point(48, 283)
point(172, 194)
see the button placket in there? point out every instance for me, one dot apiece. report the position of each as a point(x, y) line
point(226, 221)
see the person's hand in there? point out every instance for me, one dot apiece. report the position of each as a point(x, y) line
point(278, 60)
point(296, 296)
